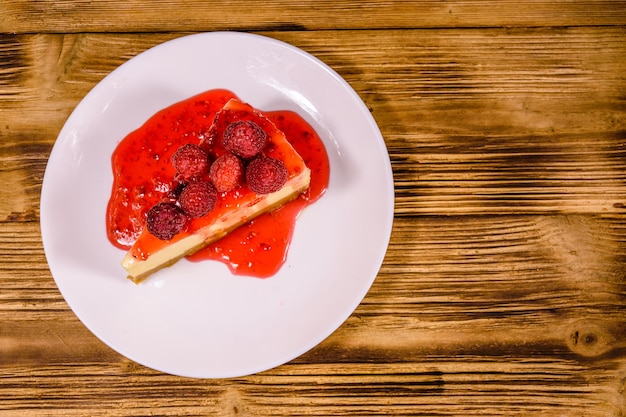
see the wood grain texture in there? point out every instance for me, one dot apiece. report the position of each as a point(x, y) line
point(67, 16)
point(503, 289)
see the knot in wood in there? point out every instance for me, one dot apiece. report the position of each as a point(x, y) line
point(589, 339)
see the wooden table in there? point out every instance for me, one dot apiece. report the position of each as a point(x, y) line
point(503, 291)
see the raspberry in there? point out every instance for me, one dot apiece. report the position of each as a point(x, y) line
point(165, 220)
point(190, 161)
point(265, 175)
point(226, 172)
point(244, 138)
point(198, 198)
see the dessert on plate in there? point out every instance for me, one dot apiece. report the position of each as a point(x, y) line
point(235, 167)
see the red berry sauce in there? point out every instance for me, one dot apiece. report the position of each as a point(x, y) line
point(143, 176)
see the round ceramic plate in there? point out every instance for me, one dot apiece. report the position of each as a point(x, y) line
point(197, 319)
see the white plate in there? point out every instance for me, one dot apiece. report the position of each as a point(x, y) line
point(197, 319)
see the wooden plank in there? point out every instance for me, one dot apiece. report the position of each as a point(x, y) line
point(140, 16)
point(428, 386)
point(468, 132)
point(463, 267)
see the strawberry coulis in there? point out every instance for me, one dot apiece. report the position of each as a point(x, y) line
point(143, 176)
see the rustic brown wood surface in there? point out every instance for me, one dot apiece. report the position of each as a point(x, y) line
point(503, 291)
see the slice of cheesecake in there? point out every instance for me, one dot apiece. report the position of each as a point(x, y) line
point(232, 208)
